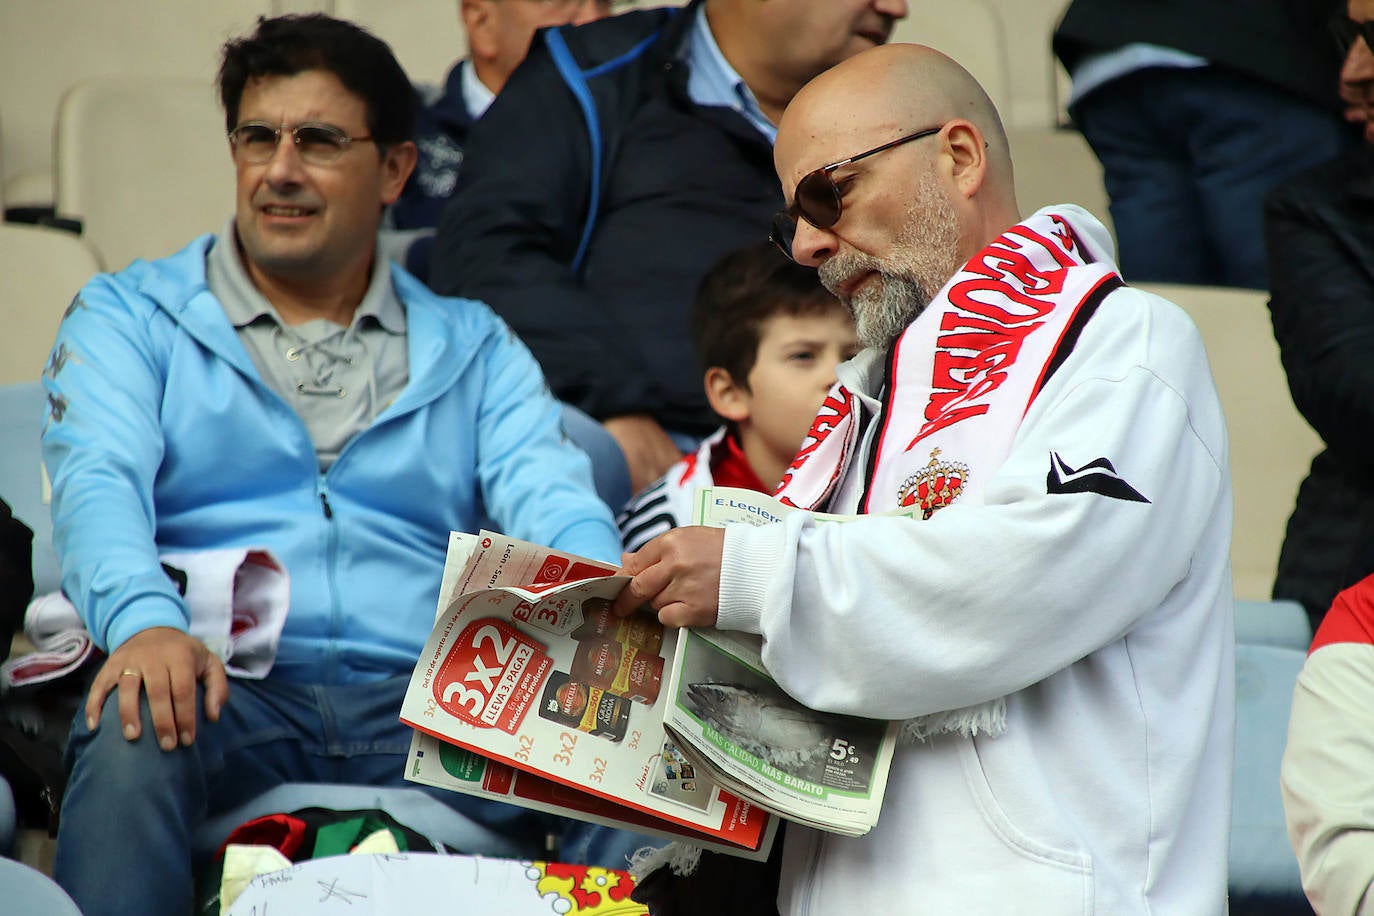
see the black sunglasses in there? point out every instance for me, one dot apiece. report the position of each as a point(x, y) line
point(818, 199)
point(1346, 30)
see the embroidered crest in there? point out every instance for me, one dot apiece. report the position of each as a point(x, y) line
point(935, 486)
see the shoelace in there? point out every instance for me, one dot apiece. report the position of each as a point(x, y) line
point(321, 357)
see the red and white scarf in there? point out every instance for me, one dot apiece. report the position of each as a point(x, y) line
point(963, 374)
point(960, 379)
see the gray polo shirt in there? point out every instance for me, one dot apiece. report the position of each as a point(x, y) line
point(336, 378)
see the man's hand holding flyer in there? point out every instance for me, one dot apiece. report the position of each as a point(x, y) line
point(529, 690)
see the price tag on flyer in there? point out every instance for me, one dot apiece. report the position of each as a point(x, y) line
point(491, 675)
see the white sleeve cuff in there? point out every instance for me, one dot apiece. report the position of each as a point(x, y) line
point(755, 565)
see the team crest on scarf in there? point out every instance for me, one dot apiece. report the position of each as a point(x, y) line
point(935, 486)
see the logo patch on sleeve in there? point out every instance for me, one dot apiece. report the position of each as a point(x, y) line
point(1094, 477)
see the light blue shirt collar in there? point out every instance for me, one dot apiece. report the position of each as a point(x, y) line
point(712, 81)
point(476, 96)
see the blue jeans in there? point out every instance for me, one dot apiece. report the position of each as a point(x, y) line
point(1188, 155)
point(130, 809)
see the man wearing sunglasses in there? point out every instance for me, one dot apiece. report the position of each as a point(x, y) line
point(1054, 624)
point(281, 386)
point(623, 158)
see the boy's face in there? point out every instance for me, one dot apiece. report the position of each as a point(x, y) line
point(795, 368)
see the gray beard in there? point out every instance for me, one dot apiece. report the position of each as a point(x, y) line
point(885, 308)
point(926, 255)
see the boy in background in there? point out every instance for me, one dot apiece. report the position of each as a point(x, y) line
point(768, 336)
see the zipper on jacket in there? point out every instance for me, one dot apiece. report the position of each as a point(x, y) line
point(331, 562)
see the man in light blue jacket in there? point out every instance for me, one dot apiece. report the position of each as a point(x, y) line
point(281, 385)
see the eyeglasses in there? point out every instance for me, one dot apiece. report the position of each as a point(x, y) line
point(818, 199)
point(571, 5)
point(255, 142)
point(565, 7)
point(1346, 30)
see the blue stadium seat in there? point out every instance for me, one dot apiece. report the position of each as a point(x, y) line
point(29, 891)
point(1271, 645)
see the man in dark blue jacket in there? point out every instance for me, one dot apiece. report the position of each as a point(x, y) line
point(498, 36)
point(623, 158)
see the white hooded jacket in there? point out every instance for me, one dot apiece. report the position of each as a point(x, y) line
point(1105, 623)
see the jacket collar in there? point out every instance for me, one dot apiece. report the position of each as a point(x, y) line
point(676, 33)
point(178, 285)
point(450, 110)
point(444, 337)
point(671, 62)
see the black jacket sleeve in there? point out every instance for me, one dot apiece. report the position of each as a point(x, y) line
point(1319, 230)
point(509, 235)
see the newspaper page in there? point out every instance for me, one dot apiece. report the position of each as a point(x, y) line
point(447, 766)
point(822, 769)
point(527, 666)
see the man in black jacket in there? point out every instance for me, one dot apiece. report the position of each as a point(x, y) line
point(498, 35)
point(1320, 234)
point(621, 159)
point(1196, 109)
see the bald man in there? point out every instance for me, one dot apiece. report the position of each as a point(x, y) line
point(1055, 625)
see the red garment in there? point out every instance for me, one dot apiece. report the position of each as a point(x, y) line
point(1350, 619)
point(669, 502)
point(284, 832)
point(729, 467)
